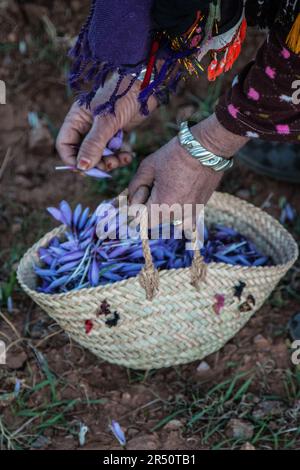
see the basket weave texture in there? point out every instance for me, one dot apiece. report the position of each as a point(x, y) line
point(174, 321)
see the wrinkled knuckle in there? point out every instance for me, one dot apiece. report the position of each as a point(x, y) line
point(105, 125)
point(92, 154)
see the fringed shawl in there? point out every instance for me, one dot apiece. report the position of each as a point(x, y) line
point(118, 36)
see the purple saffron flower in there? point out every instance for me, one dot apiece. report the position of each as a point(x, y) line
point(58, 282)
point(76, 214)
point(17, 387)
point(111, 276)
point(56, 213)
point(84, 244)
point(94, 273)
point(82, 259)
point(117, 432)
point(67, 267)
point(288, 213)
point(94, 172)
point(10, 305)
point(70, 245)
point(44, 272)
point(116, 142)
point(83, 218)
point(45, 255)
point(107, 152)
point(73, 256)
point(66, 211)
point(82, 433)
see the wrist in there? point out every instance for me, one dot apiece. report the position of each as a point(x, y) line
point(216, 139)
point(199, 152)
point(185, 160)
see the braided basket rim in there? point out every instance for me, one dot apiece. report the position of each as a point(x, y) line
point(233, 202)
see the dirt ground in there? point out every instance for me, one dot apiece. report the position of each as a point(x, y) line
point(245, 396)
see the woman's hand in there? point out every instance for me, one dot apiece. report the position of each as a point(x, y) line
point(83, 137)
point(172, 176)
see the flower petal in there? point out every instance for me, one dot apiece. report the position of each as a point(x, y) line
point(96, 173)
point(73, 256)
point(66, 211)
point(56, 213)
point(94, 273)
point(116, 142)
point(117, 432)
point(76, 215)
point(107, 152)
point(84, 218)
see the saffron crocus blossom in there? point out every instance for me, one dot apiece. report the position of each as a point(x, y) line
point(83, 259)
point(117, 432)
point(10, 305)
point(18, 385)
point(82, 433)
point(288, 213)
point(116, 142)
point(94, 172)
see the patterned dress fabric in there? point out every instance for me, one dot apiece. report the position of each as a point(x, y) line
point(264, 100)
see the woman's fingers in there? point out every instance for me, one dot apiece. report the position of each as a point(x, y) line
point(83, 137)
point(91, 150)
point(115, 161)
point(67, 152)
point(143, 177)
point(111, 163)
point(125, 154)
point(125, 158)
point(141, 196)
point(105, 126)
point(92, 147)
point(76, 124)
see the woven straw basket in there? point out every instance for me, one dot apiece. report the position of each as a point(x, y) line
point(172, 320)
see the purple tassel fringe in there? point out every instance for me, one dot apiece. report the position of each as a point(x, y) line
point(91, 74)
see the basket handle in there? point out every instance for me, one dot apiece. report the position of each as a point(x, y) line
point(149, 275)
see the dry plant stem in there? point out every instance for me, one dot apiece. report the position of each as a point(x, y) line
point(10, 324)
point(5, 162)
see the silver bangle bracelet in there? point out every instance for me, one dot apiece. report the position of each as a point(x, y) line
point(196, 150)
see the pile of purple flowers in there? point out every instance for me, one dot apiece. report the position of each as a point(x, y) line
point(82, 259)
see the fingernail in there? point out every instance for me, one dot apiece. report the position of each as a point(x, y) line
point(83, 164)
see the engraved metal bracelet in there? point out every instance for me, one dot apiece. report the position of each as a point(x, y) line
point(196, 150)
